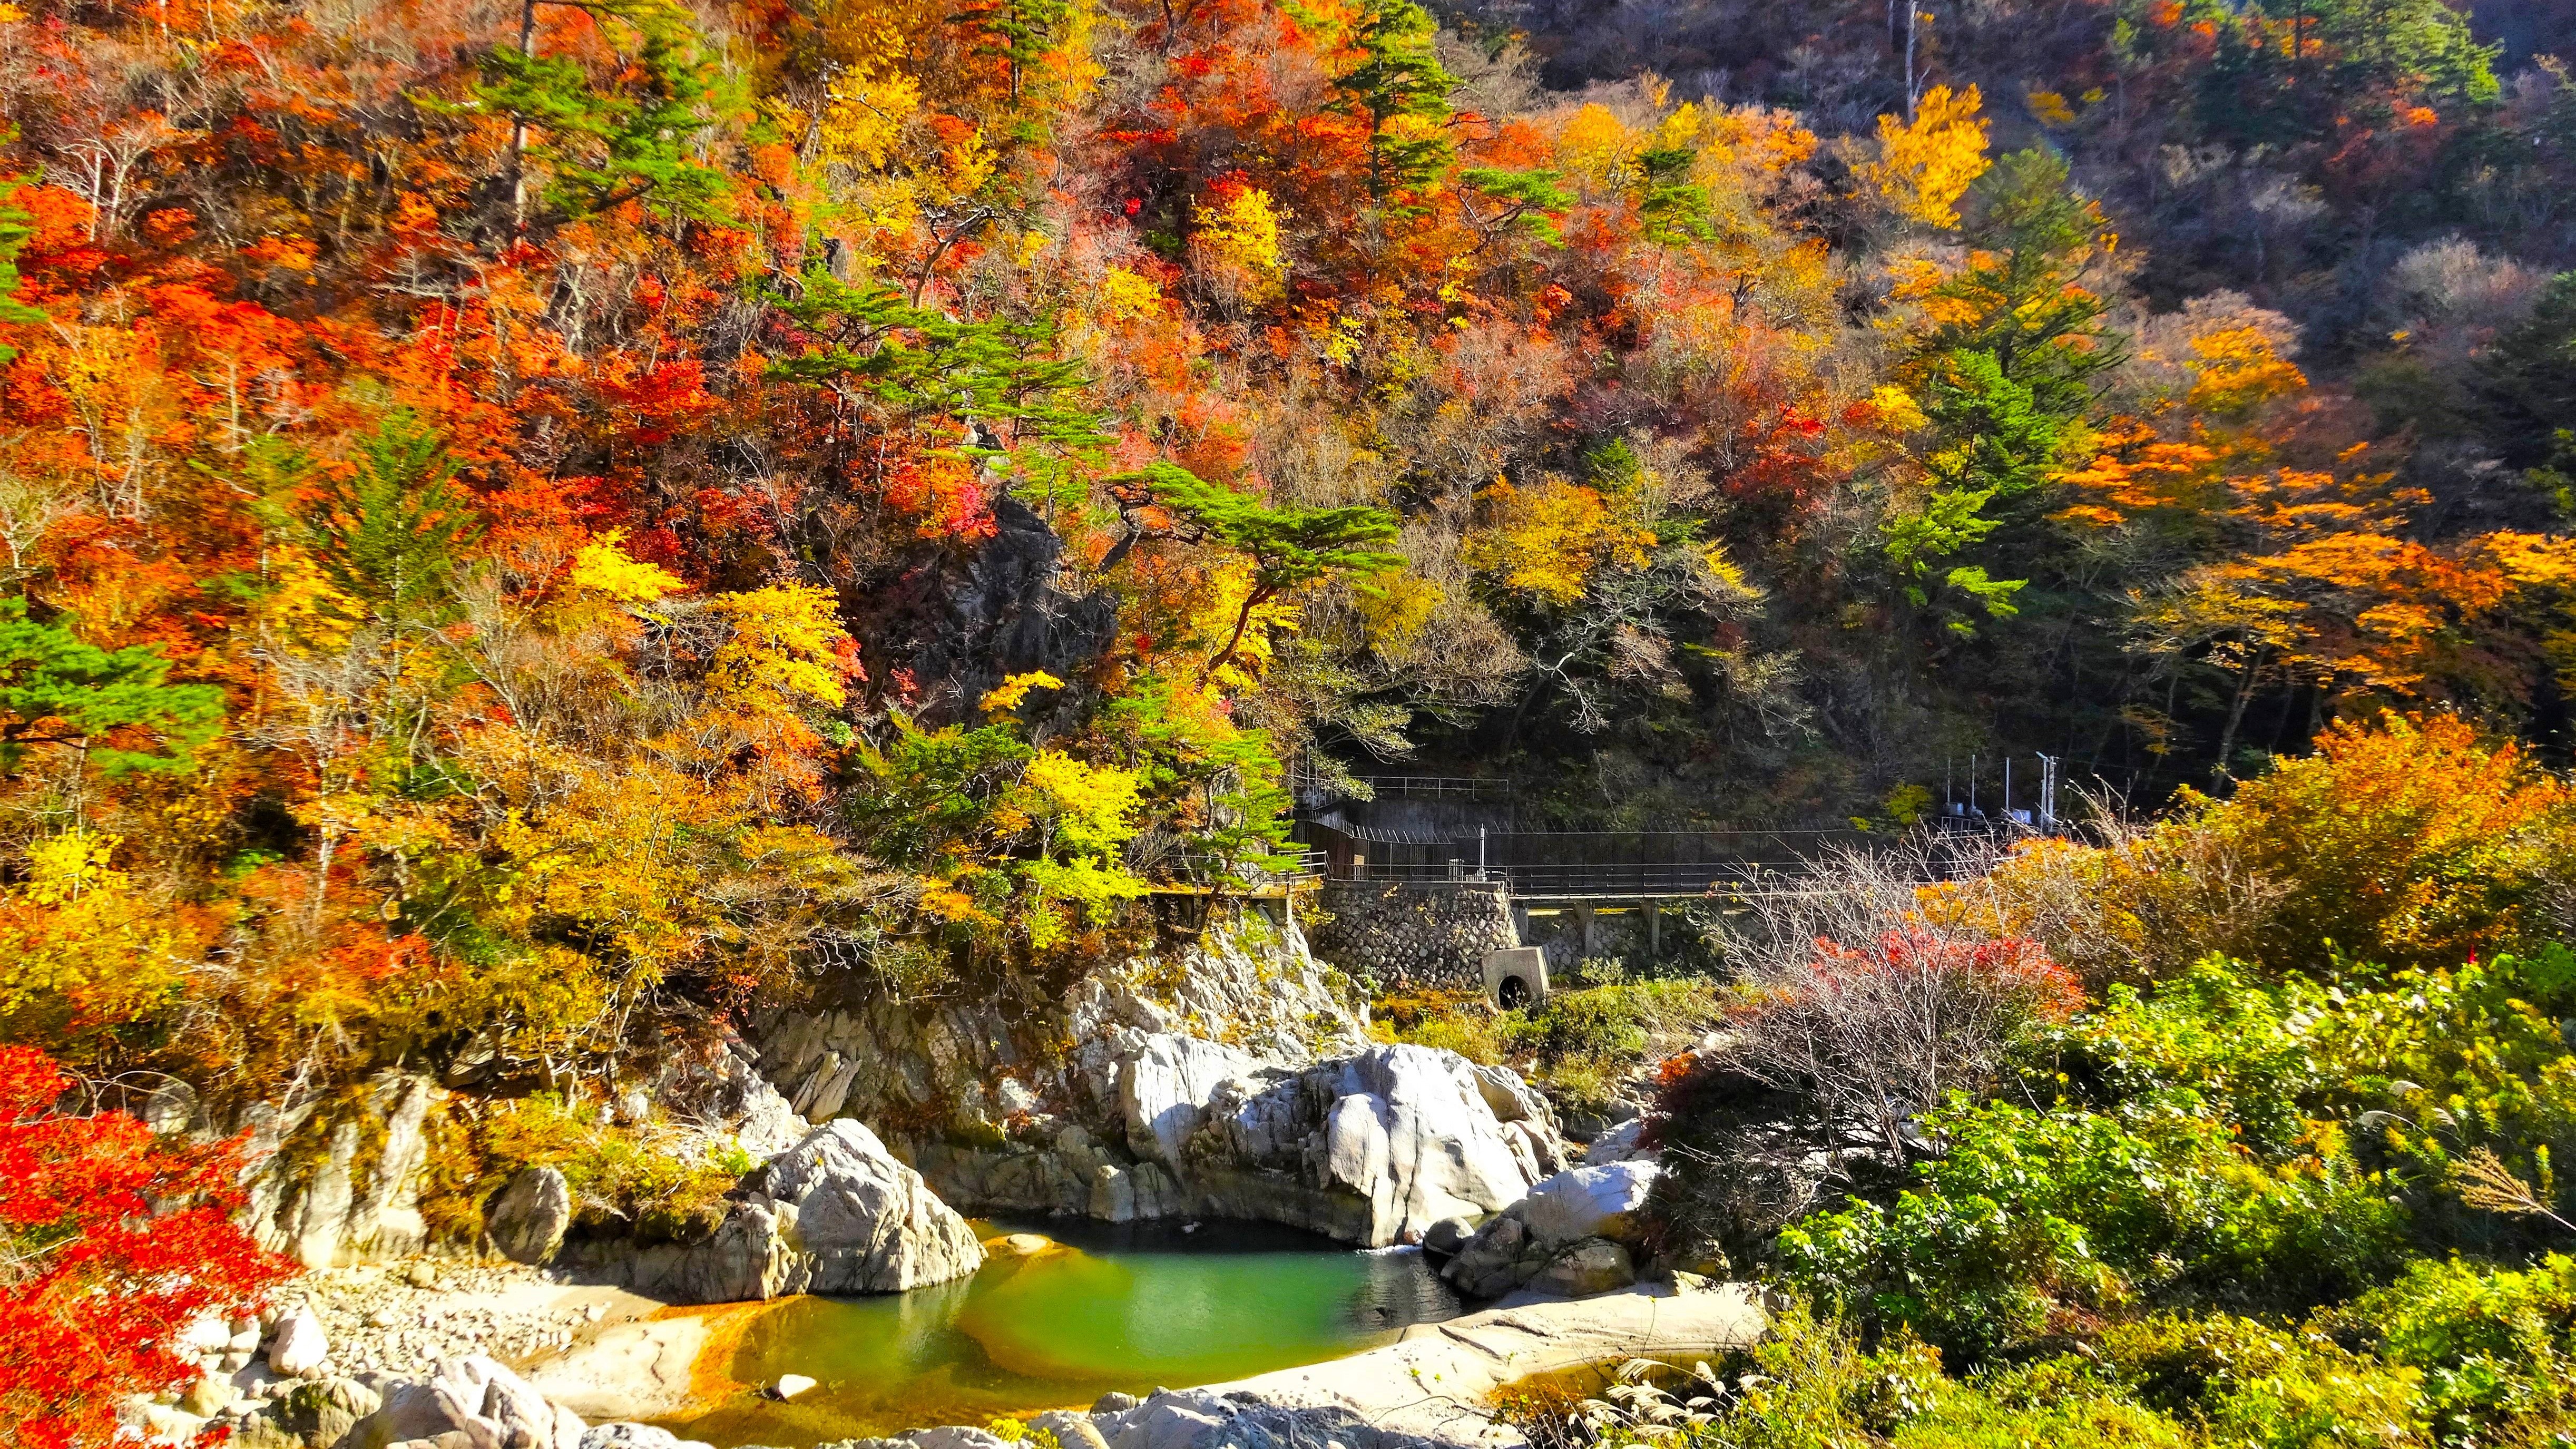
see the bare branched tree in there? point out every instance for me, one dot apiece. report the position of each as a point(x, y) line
point(1867, 1006)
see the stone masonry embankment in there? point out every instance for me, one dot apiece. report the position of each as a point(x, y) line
point(1415, 933)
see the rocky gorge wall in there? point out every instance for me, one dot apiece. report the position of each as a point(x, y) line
point(1415, 933)
point(1230, 1077)
point(1227, 1075)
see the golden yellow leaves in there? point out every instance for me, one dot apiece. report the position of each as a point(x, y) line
point(785, 652)
point(1213, 618)
point(1766, 142)
point(1084, 809)
point(2051, 108)
point(1129, 296)
point(79, 946)
point(1924, 166)
point(1081, 814)
point(1896, 410)
point(1236, 243)
point(1006, 696)
point(1398, 609)
point(603, 566)
point(863, 118)
point(1549, 538)
point(2238, 370)
point(1596, 145)
point(304, 613)
point(613, 858)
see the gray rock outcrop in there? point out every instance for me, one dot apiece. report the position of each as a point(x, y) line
point(1556, 1239)
point(1230, 1077)
point(1393, 1140)
point(475, 1397)
point(361, 1200)
point(836, 1213)
point(528, 1218)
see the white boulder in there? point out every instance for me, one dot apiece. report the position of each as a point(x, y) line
point(1163, 1088)
point(1559, 1237)
point(476, 1397)
point(299, 1348)
point(1589, 1202)
point(836, 1213)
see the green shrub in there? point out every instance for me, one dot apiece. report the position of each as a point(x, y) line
point(2252, 1383)
point(2497, 1349)
point(2216, 1039)
point(625, 1180)
point(2029, 1212)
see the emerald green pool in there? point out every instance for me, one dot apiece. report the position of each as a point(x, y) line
point(1132, 1309)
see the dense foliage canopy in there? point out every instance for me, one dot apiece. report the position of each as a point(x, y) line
point(527, 530)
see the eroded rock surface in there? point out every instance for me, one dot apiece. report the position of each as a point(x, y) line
point(836, 1213)
point(1557, 1238)
point(491, 1407)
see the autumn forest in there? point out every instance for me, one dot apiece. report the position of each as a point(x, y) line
point(531, 526)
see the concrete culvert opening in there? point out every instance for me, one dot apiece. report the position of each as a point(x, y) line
point(1515, 976)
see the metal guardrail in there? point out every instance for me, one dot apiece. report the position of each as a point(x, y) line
point(1408, 787)
point(1606, 878)
point(1769, 860)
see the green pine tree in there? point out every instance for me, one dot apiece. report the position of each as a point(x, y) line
point(56, 689)
point(599, 151)
point(1400, 77)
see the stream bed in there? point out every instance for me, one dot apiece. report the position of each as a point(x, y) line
point(1131, 1308)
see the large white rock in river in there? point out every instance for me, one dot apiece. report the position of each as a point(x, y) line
point(1373, 1148)
point(836, 1213)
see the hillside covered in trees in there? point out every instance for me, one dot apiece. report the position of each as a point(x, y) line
point(531, 533)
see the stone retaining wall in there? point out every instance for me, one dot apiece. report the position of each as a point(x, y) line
point(1414, 933)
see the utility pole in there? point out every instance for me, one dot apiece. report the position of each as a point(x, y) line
point(1480, 852)
point(2048, 792)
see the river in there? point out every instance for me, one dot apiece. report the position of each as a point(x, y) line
point(1130, 1308)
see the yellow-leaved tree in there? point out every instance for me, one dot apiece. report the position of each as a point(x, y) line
point(82, 950)
point(1080, 815)
point(1236, 244)
point(1548, 539)
point(1924, 166)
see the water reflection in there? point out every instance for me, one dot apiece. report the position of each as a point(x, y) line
point(1097, 1308)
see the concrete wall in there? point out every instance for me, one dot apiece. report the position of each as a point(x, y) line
point(1391, 934)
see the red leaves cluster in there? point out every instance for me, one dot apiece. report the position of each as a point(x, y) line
point(112, 1241)
point(2014, 972)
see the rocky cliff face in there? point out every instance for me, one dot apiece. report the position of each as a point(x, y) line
point(358, 1197)
point(1231, 1076)
point(1228, 1078)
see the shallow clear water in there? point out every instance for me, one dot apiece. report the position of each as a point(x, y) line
point(1131, 1308)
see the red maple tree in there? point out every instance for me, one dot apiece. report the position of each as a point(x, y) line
point(112, 1241)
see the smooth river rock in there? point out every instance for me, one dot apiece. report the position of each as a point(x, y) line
point(1530, 1239)
point(491, 1407)
point(527, 1219)
point(836, 1213)
point(299, 1348)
